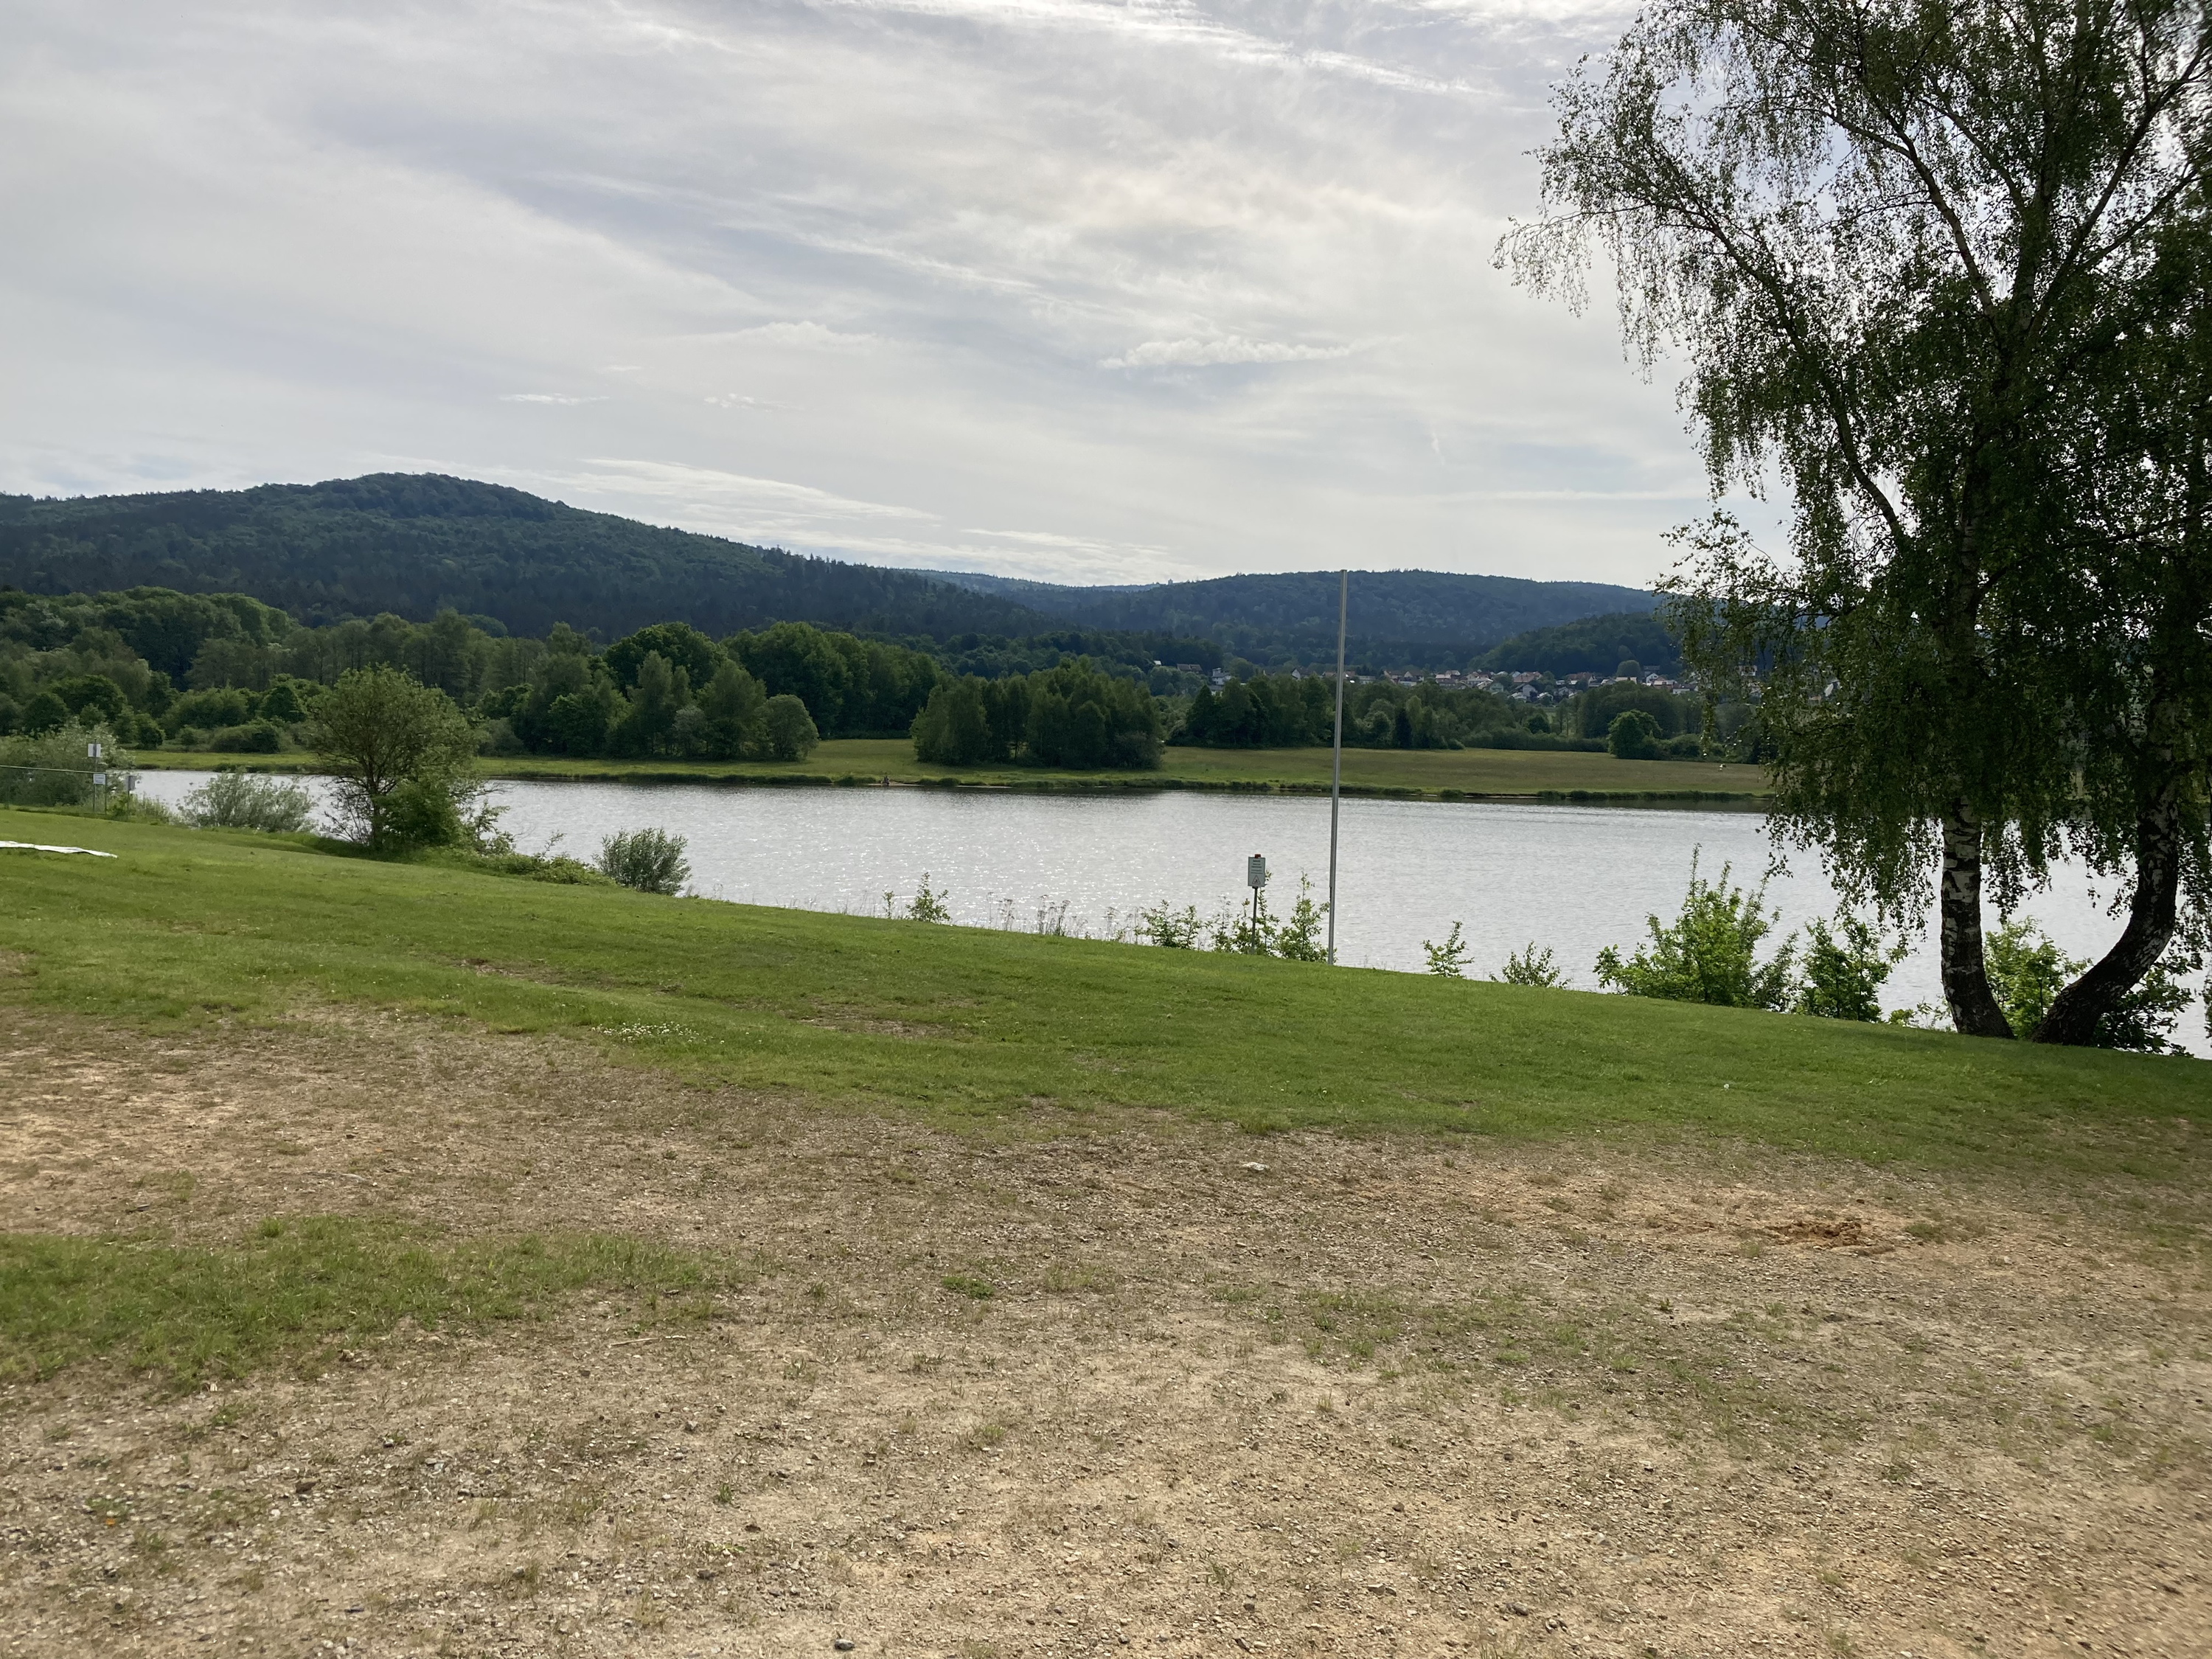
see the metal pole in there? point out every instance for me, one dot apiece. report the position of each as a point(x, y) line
point(1336, 765)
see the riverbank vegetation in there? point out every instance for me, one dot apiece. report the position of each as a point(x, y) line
point(190, 927)
point(226, 675)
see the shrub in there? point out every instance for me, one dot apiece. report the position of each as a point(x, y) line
point(2027, 970)
point(1709, 953)
point(1448, 959)
point(650, 861)
point(788, 731)
point(929, 906)
point(240, 800)
point(50, 768)
point(1530, 966)
point(1175, 930)
point(1633, 735)
point(1845, 967)
point(260, 738)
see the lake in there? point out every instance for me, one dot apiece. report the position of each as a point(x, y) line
point(1575, 878)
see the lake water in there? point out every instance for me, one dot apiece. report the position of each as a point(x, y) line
point(1574, 878)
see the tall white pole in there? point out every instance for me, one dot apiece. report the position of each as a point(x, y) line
point(1336, 764)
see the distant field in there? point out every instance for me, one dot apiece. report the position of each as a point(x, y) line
point(1433, 772)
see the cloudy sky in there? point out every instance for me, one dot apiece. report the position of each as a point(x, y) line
point(1092, 290)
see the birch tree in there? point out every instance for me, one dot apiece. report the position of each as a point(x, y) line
point(1894, 243)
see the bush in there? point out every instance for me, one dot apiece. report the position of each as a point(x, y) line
point(240, 800)
point(1530, 966)
point(1633, 735)
point(50, 768)
point(650, 861)
point(1709, 953)
point(1448, 959)
point(788, 730)
point(1845, 968)
point(2027, 970)
point(260, 738)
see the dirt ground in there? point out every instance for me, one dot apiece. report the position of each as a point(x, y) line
point(1082, 1388)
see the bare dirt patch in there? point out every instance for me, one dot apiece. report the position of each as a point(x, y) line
point(1132, 1387)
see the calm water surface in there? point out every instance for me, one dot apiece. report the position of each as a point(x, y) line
point(1576, 878)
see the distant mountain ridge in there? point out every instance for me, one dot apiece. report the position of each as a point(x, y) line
point(1421, 614)
point(412, 543)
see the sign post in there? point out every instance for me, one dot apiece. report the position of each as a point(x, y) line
point(1336, 763)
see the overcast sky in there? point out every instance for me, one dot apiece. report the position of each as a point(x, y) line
point(1072, 288)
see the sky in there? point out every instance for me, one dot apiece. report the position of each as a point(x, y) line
point(1080, 290)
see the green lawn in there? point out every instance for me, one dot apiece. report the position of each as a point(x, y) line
point(1436, 773)
point(969, 1025)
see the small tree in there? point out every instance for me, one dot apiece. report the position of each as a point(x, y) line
point(788, 730)
point(1633, 735)
point(650, 861)
point(1532, 967)
point(928, 905)
point(401, 751)
point(1845, 967)
point(1448, 959)
point(1709, 953)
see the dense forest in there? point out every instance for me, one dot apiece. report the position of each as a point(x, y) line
point(413, 544)
point(1590, 645)
point(228, 672)
point(1277, 711)
point(1420, 619)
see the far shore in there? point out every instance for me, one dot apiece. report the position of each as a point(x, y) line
point(1444, 775)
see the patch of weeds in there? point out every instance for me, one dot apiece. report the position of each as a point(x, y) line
point(298, 1287)
point(970, 1285)
point(724, 1494)
point(1897, 1471)
point(1078, 1279)
point(985, 1435)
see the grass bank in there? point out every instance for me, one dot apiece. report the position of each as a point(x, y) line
point(1429, 774)
point(957, 1025)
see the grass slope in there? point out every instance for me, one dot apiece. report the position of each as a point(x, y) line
point(966, 1024)
point(1433, 773)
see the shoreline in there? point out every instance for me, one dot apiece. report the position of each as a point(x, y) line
point(1105, 784)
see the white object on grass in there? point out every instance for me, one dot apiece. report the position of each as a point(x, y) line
point(36, 847)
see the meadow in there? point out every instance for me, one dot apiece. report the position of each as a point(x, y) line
point(419, 1254)
point(1427, 773)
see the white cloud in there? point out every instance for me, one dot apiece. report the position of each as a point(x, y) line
point(792, 334)
point(256, 243)
point(1193, 354)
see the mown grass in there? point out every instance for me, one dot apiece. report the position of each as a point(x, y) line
point(1434, 772)
point(970, 1025)
point(300, 1288)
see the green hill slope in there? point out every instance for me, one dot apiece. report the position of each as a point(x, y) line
point(412, 543)
point(1427, 617)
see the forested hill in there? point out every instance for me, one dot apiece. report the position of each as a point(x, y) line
point(414, 543)
point(1394, 615)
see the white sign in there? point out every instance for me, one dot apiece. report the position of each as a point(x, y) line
point(1255, 871)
